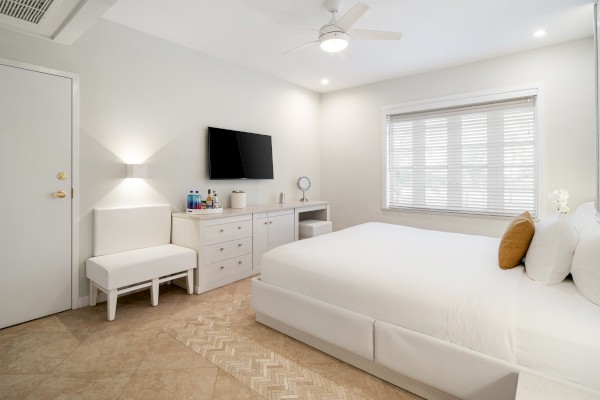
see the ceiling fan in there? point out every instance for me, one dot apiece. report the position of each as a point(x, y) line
point(335, 35)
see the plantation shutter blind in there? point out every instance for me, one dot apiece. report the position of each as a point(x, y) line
point(475, 159)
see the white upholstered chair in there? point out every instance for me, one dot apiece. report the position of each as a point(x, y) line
point(133, 250)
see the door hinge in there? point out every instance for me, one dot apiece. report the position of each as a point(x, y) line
point(72, 193)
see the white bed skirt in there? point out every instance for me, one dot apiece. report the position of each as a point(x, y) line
point(424, 365)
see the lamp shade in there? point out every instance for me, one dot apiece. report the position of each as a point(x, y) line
point(332, 42)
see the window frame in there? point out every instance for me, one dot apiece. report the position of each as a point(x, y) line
point(532, 89)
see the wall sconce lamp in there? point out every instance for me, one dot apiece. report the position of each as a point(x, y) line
point(137, 171)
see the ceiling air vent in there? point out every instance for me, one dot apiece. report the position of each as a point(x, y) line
point(26, 10)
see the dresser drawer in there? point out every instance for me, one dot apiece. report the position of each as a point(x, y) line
point(223, 251)
point(226, 232)
point(232, 266)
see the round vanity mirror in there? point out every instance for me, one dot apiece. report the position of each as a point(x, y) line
point(304, 185)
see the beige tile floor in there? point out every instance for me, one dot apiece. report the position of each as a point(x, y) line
point(77, 354)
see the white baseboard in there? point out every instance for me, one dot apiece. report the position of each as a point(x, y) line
point(84, 301)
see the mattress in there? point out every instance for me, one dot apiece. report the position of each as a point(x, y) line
point(558, 332)
point(445, 285)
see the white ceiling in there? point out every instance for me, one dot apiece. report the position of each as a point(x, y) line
point(437, 33)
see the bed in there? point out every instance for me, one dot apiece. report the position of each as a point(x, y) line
point(428, 311)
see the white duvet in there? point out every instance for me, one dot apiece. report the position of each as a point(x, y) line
point(558, 332)
point(445, 285)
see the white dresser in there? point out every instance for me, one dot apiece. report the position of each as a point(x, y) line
point(230, 245)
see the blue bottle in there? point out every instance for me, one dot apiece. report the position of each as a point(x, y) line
point(190, 200)
point(197, 200)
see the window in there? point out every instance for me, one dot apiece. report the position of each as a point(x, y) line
point(478, 157)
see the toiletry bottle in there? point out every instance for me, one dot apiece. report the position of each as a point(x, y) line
point(197, 200)
point(215, 200)
point(190, 200)
point(209, 200)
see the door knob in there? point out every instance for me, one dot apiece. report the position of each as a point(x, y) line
point(60, 194)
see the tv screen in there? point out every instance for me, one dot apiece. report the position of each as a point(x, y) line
point(239, 155)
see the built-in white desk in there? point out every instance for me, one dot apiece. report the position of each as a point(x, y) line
point(230, 244)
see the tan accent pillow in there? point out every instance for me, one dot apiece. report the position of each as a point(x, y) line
point(515, 241)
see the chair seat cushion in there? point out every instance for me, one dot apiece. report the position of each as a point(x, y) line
point(129, 267)
point(313, 227)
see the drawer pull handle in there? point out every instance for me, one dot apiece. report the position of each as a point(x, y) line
point(270, 222)
point(222, 230)
point(239, 262)
point(221, 249)
point(266, 222)
point(239, 227)
point(222, 267)
point(240, 245)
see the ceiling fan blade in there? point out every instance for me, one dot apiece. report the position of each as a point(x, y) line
point(301, 47)
point(367, 34)
point(348, 19)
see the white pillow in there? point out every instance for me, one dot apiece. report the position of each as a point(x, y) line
point(550, 253)
point(586, 260)
point(584, 217)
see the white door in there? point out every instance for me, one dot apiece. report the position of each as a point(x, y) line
point(35, 226)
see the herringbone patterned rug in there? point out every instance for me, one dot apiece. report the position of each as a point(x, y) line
point(266, 372)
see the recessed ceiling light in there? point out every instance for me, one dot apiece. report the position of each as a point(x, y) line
point(539, 33)
point(324, 81)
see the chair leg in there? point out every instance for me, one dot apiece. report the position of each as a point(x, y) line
point(190, 281)
point(93, 294)
point(154, 292)
point(111, 304)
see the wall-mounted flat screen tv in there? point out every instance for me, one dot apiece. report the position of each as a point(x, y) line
point(239, 155)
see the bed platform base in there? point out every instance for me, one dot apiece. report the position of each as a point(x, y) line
point(426, 366)
point(368, 366)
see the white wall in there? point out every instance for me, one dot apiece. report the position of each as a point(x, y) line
point(147, 100)
point(351, 133)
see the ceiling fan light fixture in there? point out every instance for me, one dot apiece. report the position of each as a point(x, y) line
point(332, 42)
